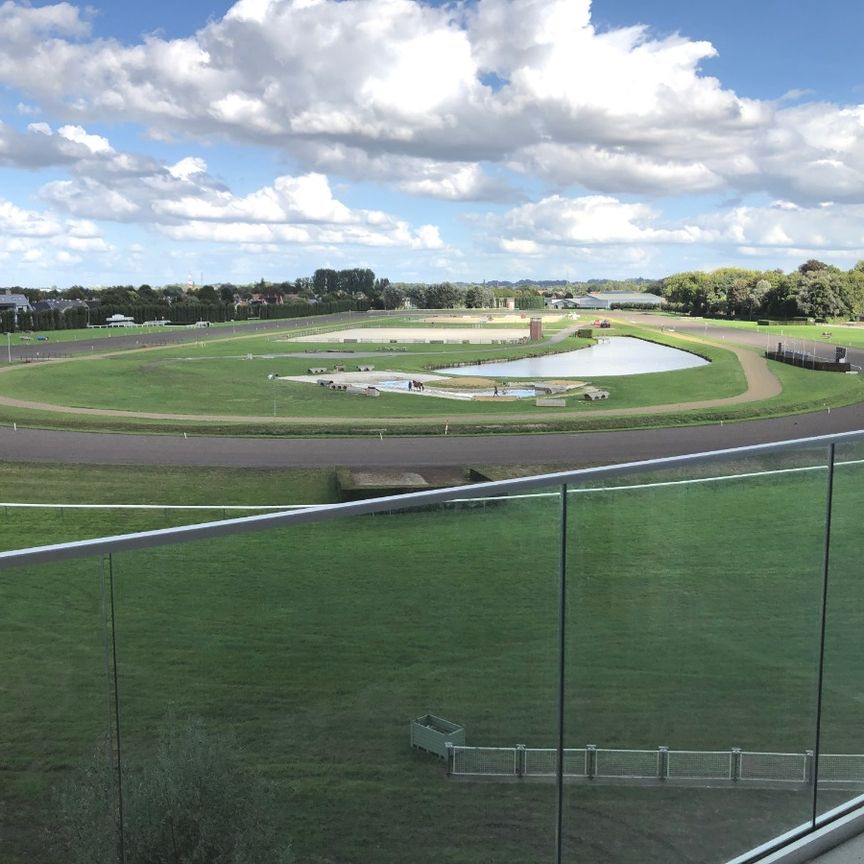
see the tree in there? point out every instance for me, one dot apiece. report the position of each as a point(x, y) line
point(392, 296)
point(812, 266)
point(207, 294)
point(442, 296)
point(478, 297)
point(821, 294)
point(194, 801)
point(325, 281)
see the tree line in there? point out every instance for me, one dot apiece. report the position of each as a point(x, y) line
point(814, 290)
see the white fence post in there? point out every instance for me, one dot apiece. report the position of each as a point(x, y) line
point(809, 761)
point(591, 761)
point(662, 763)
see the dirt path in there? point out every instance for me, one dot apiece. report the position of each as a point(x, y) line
point(761, 384)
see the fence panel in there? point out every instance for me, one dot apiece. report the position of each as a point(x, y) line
point(841, 768)
point(700, 764)
point(781, 767)
point(576, 763)
point(543, 762)
point(500, 761)
point(636, 764)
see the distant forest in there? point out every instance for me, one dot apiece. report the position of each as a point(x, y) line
point(814, 290)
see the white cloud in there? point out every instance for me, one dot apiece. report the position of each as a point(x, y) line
point(619, 106)
point(31, 237)
point(94, 143)
point(587, 221)
point(836, 228)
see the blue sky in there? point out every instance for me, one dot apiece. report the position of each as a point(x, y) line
point(166, 142)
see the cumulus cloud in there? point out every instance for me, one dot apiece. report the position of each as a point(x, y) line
point(398, 80)
point(463, 102)
point(31, 236)
point(586, 221)
point(184, 201)
point(835, 228)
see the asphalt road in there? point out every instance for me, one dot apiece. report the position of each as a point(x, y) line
point(117, 339)
point(565, 450)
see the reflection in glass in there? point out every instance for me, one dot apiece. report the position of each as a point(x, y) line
point(692, 628)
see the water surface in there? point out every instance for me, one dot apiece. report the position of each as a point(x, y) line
point(616, 355)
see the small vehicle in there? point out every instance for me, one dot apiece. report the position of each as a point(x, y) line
point(41, 338)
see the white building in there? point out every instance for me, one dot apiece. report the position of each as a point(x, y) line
point(607, 299)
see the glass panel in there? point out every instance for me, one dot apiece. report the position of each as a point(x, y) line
point(841, 760)
point(300, 655)
point(57, 790)
point(692, 624)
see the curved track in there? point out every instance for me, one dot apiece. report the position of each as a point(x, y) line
point(571, 450)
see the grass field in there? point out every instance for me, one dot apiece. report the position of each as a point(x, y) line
point(692, 622)
point(228, 378)
point(841, 333)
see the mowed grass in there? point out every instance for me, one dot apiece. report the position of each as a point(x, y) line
point(838, 333)
point(228, 379)
point(692, 622)
point(217, 378)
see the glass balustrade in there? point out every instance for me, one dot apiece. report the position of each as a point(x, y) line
point(654, 663)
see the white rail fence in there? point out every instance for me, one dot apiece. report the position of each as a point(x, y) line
point(682, 767)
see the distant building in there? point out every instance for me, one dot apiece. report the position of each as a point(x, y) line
point(607, 299)
point(58, 305)
point(16, 302)
point(118, 320)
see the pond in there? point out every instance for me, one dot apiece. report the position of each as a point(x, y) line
point(616, 355)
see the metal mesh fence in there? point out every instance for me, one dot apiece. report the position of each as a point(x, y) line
point(484, 760)
point(627, 763)
point(782, 767)
point(541, 763)
point(544, 762)
point(841, 768)
point(681, 765)
point(575, 763)
point(700, 765)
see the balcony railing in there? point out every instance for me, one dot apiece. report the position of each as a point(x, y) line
point(698, 620)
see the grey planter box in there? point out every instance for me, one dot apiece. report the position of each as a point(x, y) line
point(433, 734)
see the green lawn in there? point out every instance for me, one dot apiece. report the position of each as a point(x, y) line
point(693, 613)
point(841, 333)
point(229, 377)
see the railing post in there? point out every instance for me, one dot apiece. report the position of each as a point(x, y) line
point(662, 763)
point(591, 761)
point(451, 758)
point(520, 760)
point(736, 763)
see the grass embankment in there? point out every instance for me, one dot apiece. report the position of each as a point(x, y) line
point(316, 645)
